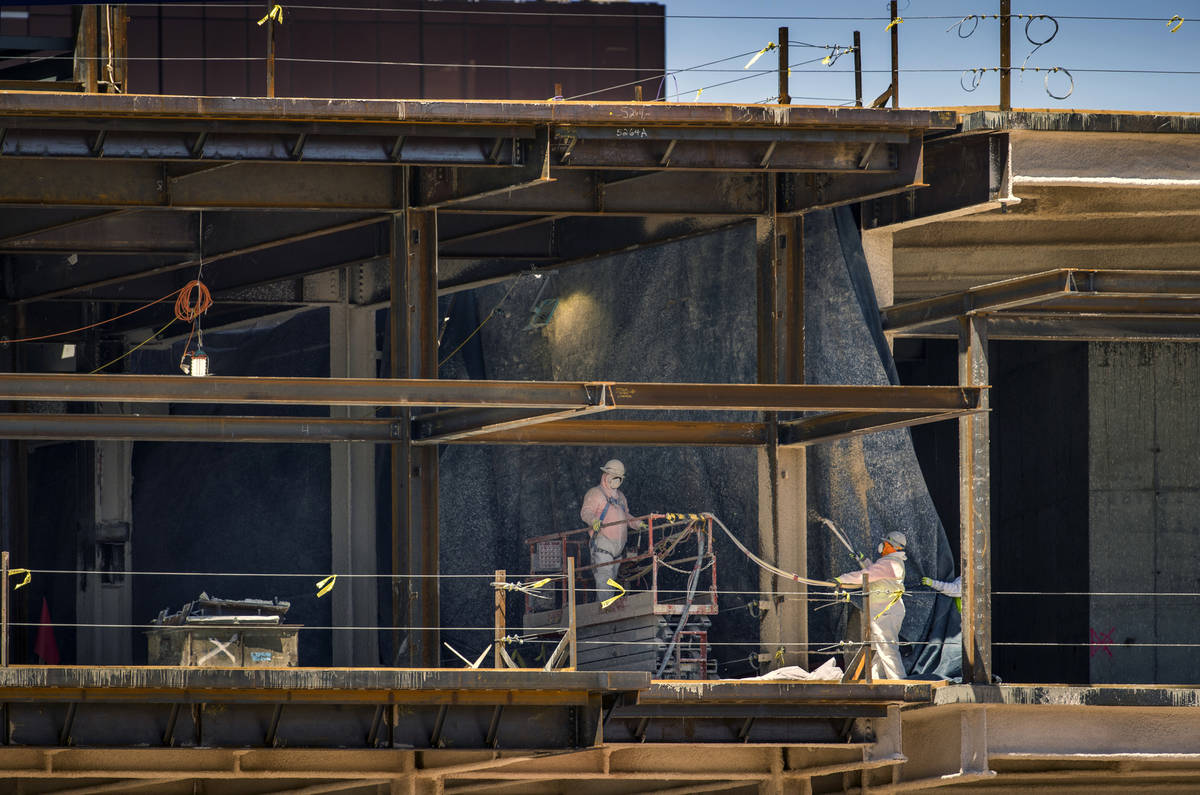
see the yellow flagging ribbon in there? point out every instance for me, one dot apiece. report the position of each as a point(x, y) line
point(276, 14)
point(679, 517)
point(896, 596)
point(699, 91)
point(326, 585)
point(612, 599)
point(893, 23)
point(770, 46)
point(779, 655)
point(1177, 21)
point(28, 576)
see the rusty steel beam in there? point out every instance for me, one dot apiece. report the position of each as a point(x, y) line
point(1107, 304)
point(843, 425)
point(628, 433)
point(57, 221)
point(962, 172)
point(644, 396)
point(975, 506)
point(239, 241)
point(465, 424)
point(182, 428)
point(577, 192)
point(1080, 326)
point(523, 427)
point(468, 112)
point(413, 319)
point(1007, 294)
point(805, 192)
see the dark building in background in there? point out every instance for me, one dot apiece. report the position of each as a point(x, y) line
point(372, 50)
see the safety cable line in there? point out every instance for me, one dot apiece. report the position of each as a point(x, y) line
point(664, 76)
point(651, 19)
point(648, 18)
point(790, 68)
point(557, 576)
point(537, 637)
point(754, 72)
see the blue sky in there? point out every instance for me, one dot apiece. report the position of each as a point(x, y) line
point(1080, 45)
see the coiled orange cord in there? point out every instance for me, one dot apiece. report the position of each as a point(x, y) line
point(189, 308)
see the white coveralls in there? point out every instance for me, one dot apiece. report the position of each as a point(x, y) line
point(886, 611)
point(609, 507)
point(953, 588)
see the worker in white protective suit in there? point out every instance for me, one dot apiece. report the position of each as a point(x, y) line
point(953, 588)
point(606, 512)
point(885, 604)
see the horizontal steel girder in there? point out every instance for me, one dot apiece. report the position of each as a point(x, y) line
point(325, 115)
point(1069, 303)
point(502, 394)
point(511, 426)
point(180, 428)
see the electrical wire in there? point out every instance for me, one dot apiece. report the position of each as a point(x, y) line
point(483, 323)
point(193, 301)
point(171, 294)
point(134, 348)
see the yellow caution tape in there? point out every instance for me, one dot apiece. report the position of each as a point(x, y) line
point(893, 23)
point(612, 599)
point(539, 583)
point(1177, 21)
point(896, 596)
point(770, 46)
point(326, 585)
point(276, 14)
point(28, 576)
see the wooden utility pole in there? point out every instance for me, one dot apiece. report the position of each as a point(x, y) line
point(785, 98)
point(1005, 54)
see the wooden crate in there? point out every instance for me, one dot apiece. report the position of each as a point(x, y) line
point(215, 646)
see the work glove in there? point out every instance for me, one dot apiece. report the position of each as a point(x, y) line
point(596, 526)
point(927, 582)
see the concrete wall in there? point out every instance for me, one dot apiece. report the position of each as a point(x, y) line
point(1144, 510)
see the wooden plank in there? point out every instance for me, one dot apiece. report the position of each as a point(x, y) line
point(625, 636)
point(616, 650)
point(591, 614)
point(632, 662)
point(635, 622)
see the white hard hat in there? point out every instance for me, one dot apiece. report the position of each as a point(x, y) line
point(615, 468)
point(896, 539)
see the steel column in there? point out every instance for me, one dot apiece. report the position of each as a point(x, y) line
point(86, 49)
point(352, 494)
point(782, 472)
point(414, 468)
point(974, 451)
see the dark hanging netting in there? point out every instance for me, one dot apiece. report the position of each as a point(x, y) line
point(870, 485)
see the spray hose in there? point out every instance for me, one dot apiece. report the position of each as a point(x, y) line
point(762, 564)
